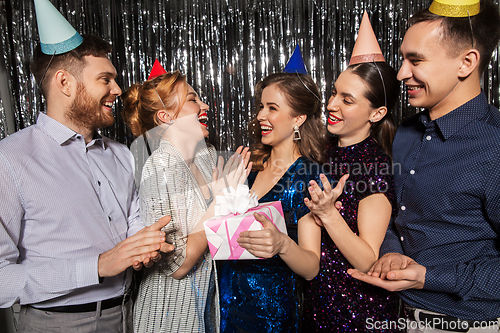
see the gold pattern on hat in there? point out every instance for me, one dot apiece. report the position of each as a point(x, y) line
point(457, 8)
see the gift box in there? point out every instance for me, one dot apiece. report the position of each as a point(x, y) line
point(223, 231)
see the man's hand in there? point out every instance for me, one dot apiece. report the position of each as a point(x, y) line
point(141, 248)
point(394, 272)
point(148, 262)
point(389, 262)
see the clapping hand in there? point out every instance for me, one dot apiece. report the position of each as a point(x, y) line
point(324, 202)
point(235, 170)
point(141, 248)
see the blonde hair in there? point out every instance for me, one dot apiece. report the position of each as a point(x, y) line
point(142, 101)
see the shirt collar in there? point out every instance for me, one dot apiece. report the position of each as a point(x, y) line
point(97, 140)
point(455, 120)
point(61, 133)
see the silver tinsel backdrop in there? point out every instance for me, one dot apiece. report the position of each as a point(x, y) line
point(224, 47)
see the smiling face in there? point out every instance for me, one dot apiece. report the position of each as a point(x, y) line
point(96, 92)
point(429, 72)
point(193, 112)
point(349, 110)
point(275, 118)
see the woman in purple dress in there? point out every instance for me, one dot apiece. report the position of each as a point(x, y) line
point(359, 117)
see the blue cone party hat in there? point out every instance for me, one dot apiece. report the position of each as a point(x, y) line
point(296, 63)
point(56, 34)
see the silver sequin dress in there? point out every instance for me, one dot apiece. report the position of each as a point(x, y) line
point(165, 304)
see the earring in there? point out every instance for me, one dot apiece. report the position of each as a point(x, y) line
point(371, 120)
point(296, 133)
point(171, 120)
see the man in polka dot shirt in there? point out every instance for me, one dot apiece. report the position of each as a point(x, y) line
point(443, 250)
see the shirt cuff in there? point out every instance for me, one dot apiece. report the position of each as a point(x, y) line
point(440, 278)
point(390, 246)
point(87, 271)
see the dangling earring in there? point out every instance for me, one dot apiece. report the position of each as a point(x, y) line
point(296, 133)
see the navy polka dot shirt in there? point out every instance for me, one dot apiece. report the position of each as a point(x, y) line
point(447, 177)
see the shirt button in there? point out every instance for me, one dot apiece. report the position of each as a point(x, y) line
point(109, 218)
point(402, 238)
point(428, 138)
point(99, 183)
point(412, 172)
point(403, 207)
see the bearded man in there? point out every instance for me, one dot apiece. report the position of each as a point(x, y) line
point(69, 215)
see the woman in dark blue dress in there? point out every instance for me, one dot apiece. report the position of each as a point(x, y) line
point(263, 295)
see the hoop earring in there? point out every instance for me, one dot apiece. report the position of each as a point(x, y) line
point(296, 134)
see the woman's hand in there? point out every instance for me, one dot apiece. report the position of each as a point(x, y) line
point(235, 172)
point(265, 243)
point(323, 202)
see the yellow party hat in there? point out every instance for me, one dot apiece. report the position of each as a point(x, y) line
point(366, 48)
point(455, 8)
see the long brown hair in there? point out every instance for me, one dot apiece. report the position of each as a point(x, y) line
point(302, 101)
point(141, 101)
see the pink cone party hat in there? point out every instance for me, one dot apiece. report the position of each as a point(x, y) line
point(366, 48)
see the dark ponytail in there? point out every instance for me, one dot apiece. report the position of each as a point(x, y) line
point(372, 73)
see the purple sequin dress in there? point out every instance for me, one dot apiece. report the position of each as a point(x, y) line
point(334, 301)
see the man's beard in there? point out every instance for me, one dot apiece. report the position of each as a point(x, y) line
point(86, 112)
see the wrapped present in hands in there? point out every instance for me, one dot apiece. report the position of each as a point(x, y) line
point(234, 214)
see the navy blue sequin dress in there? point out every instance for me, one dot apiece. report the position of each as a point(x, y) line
point(334, 301)
point(262, 295)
